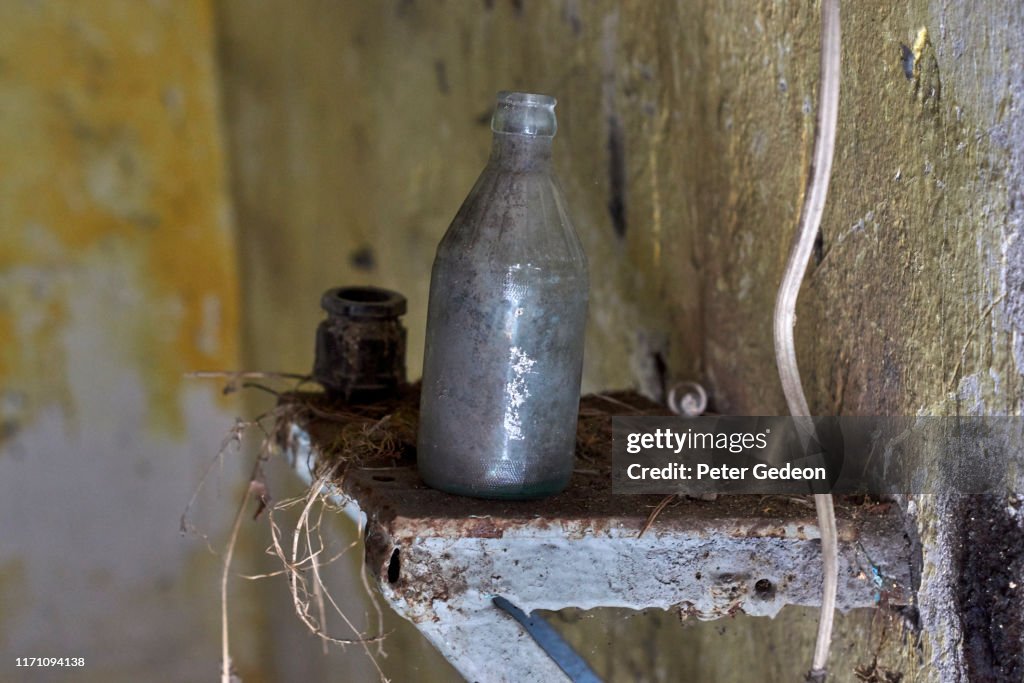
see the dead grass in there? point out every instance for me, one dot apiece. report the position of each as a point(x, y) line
point(367, 435)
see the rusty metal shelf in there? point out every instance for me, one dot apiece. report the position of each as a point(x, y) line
point(440, 559)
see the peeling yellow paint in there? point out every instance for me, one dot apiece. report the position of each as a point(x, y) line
point(919, 45)
point(112, 155)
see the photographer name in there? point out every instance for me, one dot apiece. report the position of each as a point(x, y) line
point(704, 472)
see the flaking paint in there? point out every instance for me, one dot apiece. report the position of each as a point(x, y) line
point(112, 156)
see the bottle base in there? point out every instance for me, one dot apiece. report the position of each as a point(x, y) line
point(525, 491)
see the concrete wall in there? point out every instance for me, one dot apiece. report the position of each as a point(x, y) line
point(117, 275)
point(685, 133)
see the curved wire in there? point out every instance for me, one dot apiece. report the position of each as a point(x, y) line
point(785, 307)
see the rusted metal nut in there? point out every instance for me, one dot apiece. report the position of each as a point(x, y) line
point(360, 347)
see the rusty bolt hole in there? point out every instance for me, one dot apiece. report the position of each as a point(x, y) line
point(385, 479)
point(764, 589)
point(394, 567)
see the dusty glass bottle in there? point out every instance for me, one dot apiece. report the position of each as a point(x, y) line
point(505, 324)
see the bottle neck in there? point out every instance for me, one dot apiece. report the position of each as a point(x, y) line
point(514, 152)
point(524, 125)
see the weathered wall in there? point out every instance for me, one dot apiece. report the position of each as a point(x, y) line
point(117, 275)
point(685, 131)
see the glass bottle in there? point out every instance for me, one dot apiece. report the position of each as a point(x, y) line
point(505, 324)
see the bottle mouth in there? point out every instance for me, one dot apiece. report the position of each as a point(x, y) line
point(523, 113)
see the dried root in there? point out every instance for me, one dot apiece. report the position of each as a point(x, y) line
point(303, 562)
point(364, 435)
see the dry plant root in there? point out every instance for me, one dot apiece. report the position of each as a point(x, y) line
point(302, 556)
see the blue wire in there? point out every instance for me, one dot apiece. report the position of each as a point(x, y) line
point(549, 640)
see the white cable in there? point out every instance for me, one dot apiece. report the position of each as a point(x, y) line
point(785, 307)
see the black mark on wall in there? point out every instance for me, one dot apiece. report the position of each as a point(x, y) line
point(616, 176)
point(571, 14)
point(907, 60)
point(990, 563)
point(661, 368)
point(363, 258)
point(615, 142)
point(441, 72)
